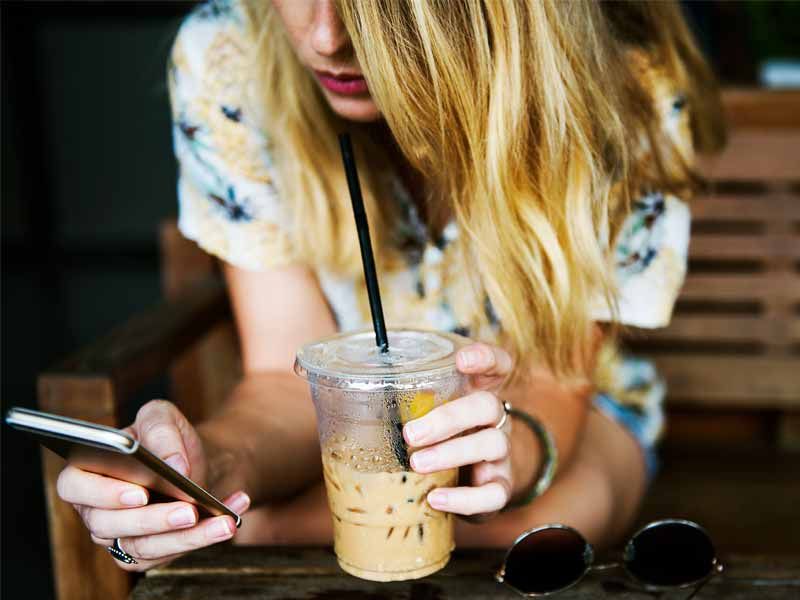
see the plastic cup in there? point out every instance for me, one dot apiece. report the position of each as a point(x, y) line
point(384, 528)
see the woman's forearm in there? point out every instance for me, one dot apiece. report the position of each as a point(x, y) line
point(598, 494)
point(561, 409)
point(264, 440)
point(561, 406)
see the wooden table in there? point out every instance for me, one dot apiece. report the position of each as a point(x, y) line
point(247, 573)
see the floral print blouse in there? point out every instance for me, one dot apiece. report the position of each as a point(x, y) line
point(230, 206)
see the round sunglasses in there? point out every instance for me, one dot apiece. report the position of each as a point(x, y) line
point(667, 554)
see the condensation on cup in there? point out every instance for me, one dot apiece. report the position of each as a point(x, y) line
point(384, 528)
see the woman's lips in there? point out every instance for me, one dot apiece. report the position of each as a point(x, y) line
point(346, 85)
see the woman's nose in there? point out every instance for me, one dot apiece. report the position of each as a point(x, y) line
point(328, 36)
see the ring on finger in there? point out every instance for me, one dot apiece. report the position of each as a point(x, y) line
point(117, 552)
point(506, 410)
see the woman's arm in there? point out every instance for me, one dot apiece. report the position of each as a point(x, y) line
point(598, 494)
point(598, 488)
point(263, 442)
point(561, 406)
point(265, 439)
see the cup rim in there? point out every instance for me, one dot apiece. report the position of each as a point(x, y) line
point(366, 379)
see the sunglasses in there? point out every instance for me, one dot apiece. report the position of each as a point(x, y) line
point(662, 555)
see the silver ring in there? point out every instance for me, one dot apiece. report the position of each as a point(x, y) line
point(117, 552)
point(506, 410)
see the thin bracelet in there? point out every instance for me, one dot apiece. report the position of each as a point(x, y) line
point(547, 470)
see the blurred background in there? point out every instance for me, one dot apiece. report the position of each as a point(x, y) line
point(88, 174)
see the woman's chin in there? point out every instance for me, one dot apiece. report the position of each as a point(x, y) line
point(361, 109)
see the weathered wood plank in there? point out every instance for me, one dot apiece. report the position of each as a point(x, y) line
point(708, 380)
point(144, 346)
point(736, 286)
point(229, 560)
point(76, 559)
point(433, 588)
point(760, 108)
point(729, 207)
point(743, 247)
point(733, 328)
point(184, 263)
point(241, 573)
point(756, 154)
point(203, 376)
point(715, 490)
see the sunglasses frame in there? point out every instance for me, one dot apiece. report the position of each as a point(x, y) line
point(589, 555)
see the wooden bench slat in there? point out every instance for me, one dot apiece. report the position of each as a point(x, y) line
point(732, 328)
point(735, 287)
point(756, 154)
point(754, 381)
point(757, 107)
point(717, 246)
point(729, 207)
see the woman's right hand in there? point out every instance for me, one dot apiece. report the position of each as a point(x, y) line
point(151, 533)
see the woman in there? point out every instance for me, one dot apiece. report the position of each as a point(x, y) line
point(522, 163)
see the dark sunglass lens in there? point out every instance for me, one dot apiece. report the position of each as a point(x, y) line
point(670, 554)
point(547, 561)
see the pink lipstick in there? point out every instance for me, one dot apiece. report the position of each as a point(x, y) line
point(346, 85)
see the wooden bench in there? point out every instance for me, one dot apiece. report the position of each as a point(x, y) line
point(731, 357)
point(732, 350)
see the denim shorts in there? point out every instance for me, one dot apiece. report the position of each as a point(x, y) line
point(645, 420)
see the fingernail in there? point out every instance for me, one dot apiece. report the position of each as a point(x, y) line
point(239, 502)
point(220, 529)
point(181, 517)
point(177, 462)
point(469, 358)
point(133, 498)
point(423, 459)
point(437, 499)
point(416, 431)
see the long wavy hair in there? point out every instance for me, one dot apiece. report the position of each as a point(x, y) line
point(525, 119)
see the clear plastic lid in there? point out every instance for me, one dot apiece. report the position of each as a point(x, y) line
point(353, 361)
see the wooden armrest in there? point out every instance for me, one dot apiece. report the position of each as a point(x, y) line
point(93, 384)
point(143, 347)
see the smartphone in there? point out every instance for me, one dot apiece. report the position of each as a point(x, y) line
point(114, 453)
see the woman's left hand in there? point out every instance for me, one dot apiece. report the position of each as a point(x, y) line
point(462, 433)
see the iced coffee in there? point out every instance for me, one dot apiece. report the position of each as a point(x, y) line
point(384, 528)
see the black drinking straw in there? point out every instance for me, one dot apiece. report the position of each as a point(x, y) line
point(367, 258)
point(395, 425)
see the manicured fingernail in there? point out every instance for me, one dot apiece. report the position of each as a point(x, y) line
point(423, 459)
point(177, 462)
point(181, 517)
point(469, 358)
point(239, 502)
point(220, 529)
point(416, 431)
point(437, 499)
point(133, 498)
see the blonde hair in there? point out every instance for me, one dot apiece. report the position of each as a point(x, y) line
point(520, 116)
